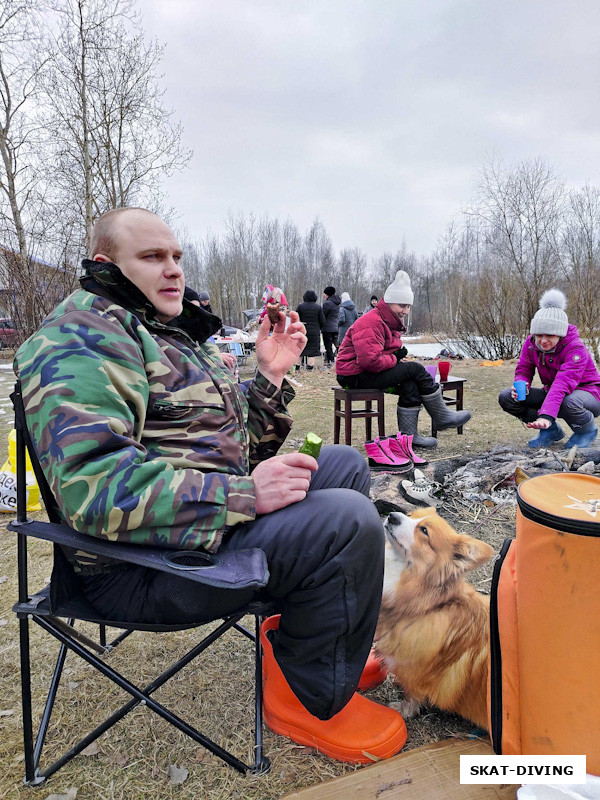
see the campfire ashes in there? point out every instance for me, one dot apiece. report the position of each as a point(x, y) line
point(489, 478)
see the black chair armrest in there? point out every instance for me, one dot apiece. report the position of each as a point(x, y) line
point(241, 569)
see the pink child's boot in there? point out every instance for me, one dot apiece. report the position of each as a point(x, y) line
point(404, 444)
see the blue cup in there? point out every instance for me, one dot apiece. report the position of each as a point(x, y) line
point(520, 389)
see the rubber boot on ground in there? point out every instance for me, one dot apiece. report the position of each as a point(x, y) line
point(583, 436)
point(389, 445)
point(374, 673)
point(548, 436)
point(408, 423)
point(441, 414)
point(362, 732)
point(403, 444)
point(381, 459)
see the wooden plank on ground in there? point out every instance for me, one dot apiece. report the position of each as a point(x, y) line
point(431, 772)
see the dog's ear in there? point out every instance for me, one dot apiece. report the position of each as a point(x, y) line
point(470, 553)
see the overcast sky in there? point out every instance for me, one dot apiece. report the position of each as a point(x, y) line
point(376, 116)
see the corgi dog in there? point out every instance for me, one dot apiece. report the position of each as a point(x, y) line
point(433, 628)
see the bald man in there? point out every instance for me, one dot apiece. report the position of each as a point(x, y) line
point(144, 437)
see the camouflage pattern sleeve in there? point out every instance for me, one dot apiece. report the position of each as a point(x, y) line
point(268, 420)
point(140, 438)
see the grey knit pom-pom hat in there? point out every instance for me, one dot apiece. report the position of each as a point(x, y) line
point(551, 318)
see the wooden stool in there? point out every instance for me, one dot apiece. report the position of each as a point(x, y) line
point(455, 386)
point(349, 396)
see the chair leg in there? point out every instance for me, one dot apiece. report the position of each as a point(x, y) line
point(336, 421)
point(381, 414)
point(56, 675)
point(368, 420)
point(261, 763)
point(142, 696)
point(348, 422)
point(31, 777)
point(459, 403)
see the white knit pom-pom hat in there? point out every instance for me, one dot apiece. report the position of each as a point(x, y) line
point(551, 318)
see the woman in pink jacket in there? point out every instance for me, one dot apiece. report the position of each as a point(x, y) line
point(570, 380)
point(371, 357)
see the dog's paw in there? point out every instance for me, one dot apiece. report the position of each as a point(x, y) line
point(407, 708)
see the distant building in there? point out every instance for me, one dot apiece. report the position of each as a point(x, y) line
point(52, 283)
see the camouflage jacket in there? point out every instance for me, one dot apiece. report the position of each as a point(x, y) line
point(142, 434)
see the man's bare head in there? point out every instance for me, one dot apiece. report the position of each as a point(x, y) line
point(146, 251)
point(105, 232)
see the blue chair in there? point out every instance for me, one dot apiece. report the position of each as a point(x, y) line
point(237, 349)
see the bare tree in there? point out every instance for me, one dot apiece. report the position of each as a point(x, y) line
point(381, 273)
point(521, 210)
point(486, 320)
point(112, 137)
point(134, 141)
point(320, 259)
point(22, 223)
point(581, 244)
point(293, 263)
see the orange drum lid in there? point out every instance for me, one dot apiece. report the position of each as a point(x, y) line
point(566, 501)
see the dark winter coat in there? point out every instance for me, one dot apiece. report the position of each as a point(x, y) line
point(311, 315)
point(331, 309)
point(348, 315)
point(568, 367)
point(370, 345)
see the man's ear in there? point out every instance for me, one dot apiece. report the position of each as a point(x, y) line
point(101, 257)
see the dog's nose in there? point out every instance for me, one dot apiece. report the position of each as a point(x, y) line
point(395, 517)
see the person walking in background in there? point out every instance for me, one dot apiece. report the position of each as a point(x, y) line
point(331, 310)
point(372, 303)
point(570, 380)
point(372, 357)
point(311, 315)
point(348, 314)
point(204, 299)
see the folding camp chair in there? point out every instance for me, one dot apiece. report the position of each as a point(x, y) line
point(52, 605)
point(237, 349)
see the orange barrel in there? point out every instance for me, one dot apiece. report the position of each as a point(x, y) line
point(504, 695)
point(558, 609)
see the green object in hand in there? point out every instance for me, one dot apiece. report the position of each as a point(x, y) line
point(312, 445)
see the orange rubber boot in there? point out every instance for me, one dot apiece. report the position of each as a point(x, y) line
point(374, 673)
point(362, 732)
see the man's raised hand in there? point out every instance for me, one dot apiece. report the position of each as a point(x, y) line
point(276, 353)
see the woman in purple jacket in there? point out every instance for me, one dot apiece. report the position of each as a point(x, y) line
point(570, 380)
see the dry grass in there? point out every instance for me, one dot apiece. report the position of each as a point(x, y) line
point(134, 757)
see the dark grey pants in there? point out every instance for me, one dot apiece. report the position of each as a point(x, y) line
point(577, 409)
point(329, 342)
point(325, 557)
point(407, 379)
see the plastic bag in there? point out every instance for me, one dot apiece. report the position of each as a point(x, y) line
point(561, 791)
point(8, 481)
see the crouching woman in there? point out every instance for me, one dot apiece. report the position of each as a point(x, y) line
point(570, 380)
